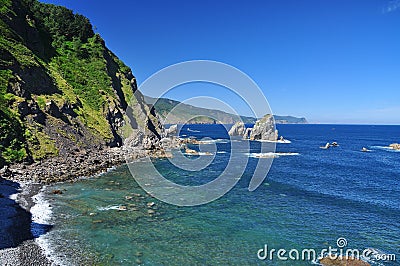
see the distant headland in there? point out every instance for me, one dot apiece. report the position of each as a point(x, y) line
point(184, 113)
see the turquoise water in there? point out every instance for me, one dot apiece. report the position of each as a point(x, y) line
point(307, 201)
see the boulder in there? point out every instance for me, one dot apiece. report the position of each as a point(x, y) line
point(238, 129)
point(264, 129)
point(342, 261)
point(395, 146)
point(191, 152)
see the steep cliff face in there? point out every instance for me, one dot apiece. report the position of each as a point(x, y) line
point(61, 89)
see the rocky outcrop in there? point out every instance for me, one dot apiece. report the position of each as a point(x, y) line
point(395, 146)
point(238, 129)
point(342, 261)
point(173, 129)
point(264, 129)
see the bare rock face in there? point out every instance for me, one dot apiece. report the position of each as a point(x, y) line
point(171, 130)
point(395, 146)
point(238, 129)
point(264, 129)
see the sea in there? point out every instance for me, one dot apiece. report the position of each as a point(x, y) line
point(335, 199)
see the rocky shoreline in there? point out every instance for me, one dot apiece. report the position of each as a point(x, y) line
point(68, 167)
point(83, 163)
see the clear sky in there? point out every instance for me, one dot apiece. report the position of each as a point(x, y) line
point(332, 61)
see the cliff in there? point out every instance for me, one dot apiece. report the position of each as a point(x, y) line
point(62, 91)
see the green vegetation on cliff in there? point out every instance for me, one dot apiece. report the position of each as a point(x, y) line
point(61, 89)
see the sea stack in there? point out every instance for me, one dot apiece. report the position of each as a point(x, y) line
point(238, 129)
point(264, 129)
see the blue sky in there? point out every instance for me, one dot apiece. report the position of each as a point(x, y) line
point(333, 61)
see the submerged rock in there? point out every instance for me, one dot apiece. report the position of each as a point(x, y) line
point(57, 192)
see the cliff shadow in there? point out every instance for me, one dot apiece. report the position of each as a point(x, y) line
point(15, 222)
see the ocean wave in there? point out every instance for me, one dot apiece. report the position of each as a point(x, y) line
point(271, 154)
point(111, 207)
point(192, 130)
point(221, 152)
point(385, 148)
point(41, 211)
point(199, 153)
point(41, 218)
point(275, 141)
point(212, 141)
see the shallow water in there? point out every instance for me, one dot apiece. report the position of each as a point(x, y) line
point(308, 200)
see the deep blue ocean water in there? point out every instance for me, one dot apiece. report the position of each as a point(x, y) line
point(307, 201)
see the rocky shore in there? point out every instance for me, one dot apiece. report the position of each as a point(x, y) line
point(81, 163)
point(68, 167)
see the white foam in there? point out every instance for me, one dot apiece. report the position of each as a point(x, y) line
point(374, 254)
point(221, 152)
point(21, 191)
point(205, 154)
point(199, 153)
point(276, 141)
point(385, 148)
point(45, 243)
point(13, 197)
point(192, 130)
point(272, 154)
point(41, 211)
point(41, 214)
point(212, 141)
point(110, 207)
